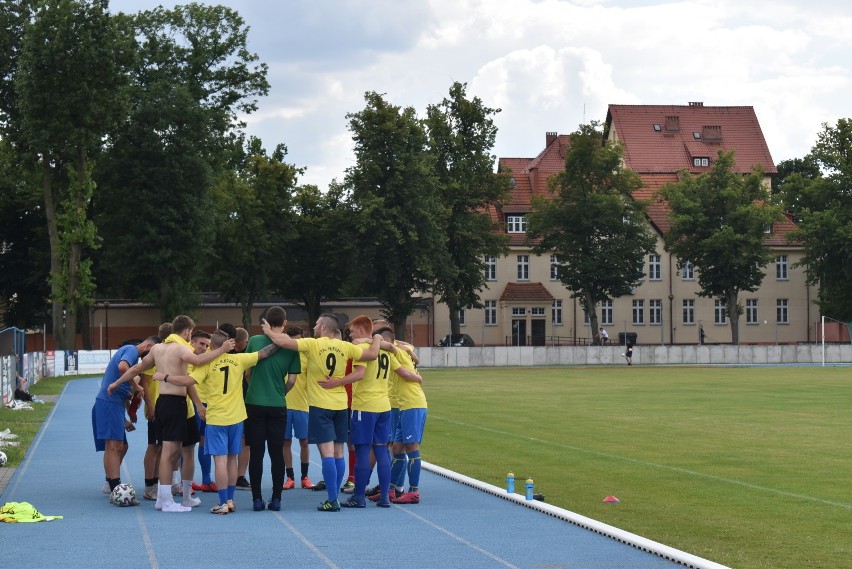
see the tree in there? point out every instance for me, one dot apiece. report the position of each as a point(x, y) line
point(397, 215)
point(255, 227)
point(192, 75)
point(592, 223)
point(718, 223)
point(318, 265)
point(789, 183)
point(24, 249)
point(65, 94)
point(825, 226)
point(461, 135)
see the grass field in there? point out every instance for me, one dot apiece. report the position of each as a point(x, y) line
point(748, 467)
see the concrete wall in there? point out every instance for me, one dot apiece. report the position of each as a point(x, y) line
point(491, 356)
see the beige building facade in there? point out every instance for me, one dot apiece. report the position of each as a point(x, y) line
point(525, 304)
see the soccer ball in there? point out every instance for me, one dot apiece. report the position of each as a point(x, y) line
point(3, 459)
point(123, 495)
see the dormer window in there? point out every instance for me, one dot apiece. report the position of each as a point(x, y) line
point(516, 223)
point(673, 123)
point(701, 162)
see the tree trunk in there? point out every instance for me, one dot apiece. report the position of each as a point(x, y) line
point(455, 326)
point(733, 311)
point(593, 317)
point(58, 306)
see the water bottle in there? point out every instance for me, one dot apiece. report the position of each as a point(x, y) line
point(510, 483)
point(529, 495)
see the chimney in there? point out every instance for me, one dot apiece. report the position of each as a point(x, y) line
point(696, 103)
point(549, 138)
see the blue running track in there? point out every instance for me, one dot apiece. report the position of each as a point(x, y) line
point(455, 525)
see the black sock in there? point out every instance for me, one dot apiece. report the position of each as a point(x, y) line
point(113, 482)
point(291, 473)
point(150, 482)
point(305, 466)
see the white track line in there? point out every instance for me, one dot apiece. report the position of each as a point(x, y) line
point(458, 538)
point(328, 562)
point(655, 465)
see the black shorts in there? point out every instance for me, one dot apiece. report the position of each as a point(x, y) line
point(265, 424)
point(191, 432)
point(170, 414)
point(154, 437)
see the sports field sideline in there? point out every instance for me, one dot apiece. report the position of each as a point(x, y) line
point(456, 525)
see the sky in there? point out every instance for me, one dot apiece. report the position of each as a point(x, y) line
point(549, 65)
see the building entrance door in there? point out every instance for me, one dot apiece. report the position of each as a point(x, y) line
point(519, 332)
point(537, 337)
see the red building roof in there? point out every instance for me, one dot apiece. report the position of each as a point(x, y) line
point(526, 292)
point(664, 139)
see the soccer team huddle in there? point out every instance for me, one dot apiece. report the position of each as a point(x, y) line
point(237, 397)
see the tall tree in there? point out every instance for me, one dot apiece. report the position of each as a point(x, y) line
point(67, 92)
point(789, 183)
point(592, 223)
point(255, 227)
point(192, 75)
point(318, 265)
point(397, 213)
point(719, 220)
point(825, 225)
point(461, 135)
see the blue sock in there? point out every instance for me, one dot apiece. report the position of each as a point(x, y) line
point(329, 474)
point(223, 495)
point(398, 471)
point(231, 490)
point(205, 460)
point(362, 469)
point(383, 468)
point(341, 471)
point(414, 470)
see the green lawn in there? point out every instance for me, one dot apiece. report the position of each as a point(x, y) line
point(26, 424)
point(748, 467)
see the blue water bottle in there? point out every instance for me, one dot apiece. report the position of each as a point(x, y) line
point(510, 483)
point(529, 495)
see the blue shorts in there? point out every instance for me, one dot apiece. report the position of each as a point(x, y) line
point(224, 439)
point(394, 423)
point(412, 423)
point(297, 425)
point(325, 425)
point(202, 425)
point(366, 428)
point(107, 423)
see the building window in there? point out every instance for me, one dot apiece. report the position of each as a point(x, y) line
point(720, 315)
point(523, 267)
point(655, 311)
point(781, 267)
point(519, 311)
point(689, 311)
point(638, 312)
point(556, 312)
point(490, 312)
point(781, 311)
point(461, 317)
point(516, 224)
point(688, 271)
point(751, 311)
point(586, 319)
point(490, 268)
point(537, 311)
point(606, 312)
point(703, 162)
point(554, 268)
point(654, 268)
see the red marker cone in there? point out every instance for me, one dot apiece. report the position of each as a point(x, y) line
point(611, 500)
